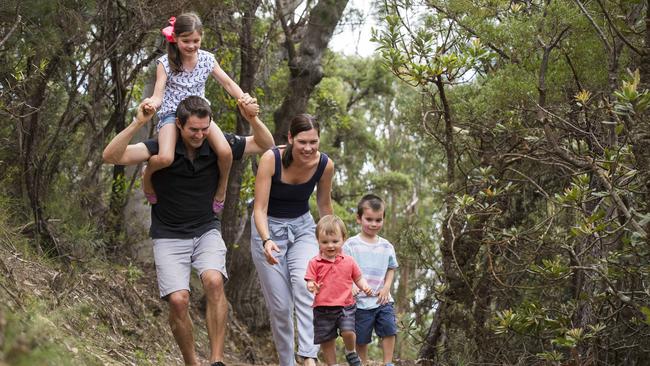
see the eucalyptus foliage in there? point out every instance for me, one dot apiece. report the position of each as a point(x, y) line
point(545, 231)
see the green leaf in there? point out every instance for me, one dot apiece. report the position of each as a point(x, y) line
point(646, 311)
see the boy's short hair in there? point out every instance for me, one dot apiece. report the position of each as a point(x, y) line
point(372, 202)
point(329, 225)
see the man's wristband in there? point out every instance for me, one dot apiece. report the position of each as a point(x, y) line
point(264, 241)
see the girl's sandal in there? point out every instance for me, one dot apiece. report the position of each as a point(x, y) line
point(151, 198)
point(217, 206)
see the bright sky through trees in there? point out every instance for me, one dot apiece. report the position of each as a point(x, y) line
point(354, 38)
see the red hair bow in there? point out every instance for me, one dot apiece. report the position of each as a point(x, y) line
point(168, 32)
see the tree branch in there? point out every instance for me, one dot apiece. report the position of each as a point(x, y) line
point(13, 28)
point(473, 32)
point(600, 32)
point(618, 32)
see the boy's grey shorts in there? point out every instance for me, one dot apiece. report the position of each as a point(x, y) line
point(175, 258)
point(327, 319)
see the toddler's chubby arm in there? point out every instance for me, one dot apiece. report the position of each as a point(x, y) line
point(355, 290)
point(152, 103)
point(311, 277)
point(362, 284)
point(384, 293)
point(313, 286)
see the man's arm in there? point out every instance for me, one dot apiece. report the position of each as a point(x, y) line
point(262, 139)
point(119, 152)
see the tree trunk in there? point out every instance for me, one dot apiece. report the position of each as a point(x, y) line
point(305, 67)
point(31, 134)
point(118, 188)
point(641, 127)
point(402, 297)
point(138, 230)
point(645, 57)
point(242, 288)
point(435, 342)
point(123, 71)
point(433, 345)
point(249, 63)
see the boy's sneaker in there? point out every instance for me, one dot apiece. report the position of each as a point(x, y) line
point(353, 359)
point(218, 363)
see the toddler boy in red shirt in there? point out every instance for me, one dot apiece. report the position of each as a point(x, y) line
point(330, 276)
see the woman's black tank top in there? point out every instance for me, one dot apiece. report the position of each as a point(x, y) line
point(292, 200)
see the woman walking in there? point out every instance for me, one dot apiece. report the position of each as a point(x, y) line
point(283, 233)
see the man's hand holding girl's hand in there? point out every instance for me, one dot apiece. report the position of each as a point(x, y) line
point(149, 105)
point(248, 106)
point(144, 114)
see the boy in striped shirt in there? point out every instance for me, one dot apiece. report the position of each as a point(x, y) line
point(377, 260)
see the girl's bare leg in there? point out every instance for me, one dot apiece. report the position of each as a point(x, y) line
point(166, 146)
point(218, 142)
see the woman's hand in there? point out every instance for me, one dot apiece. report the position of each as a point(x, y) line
point(269, 248)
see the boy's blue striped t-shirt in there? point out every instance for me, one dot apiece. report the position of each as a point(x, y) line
point(374, 259)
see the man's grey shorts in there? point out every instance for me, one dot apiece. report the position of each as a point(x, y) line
point(175, 258)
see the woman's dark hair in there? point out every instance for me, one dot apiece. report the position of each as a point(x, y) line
point(185, 23)
point(300, 123)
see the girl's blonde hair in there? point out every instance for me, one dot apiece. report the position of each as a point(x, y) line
point(330, 225)
point(185, 23)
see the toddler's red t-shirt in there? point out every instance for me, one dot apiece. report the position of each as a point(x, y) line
point(335, 279)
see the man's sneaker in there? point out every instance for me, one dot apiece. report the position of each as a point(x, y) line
point(353, 359)
point(218, 363)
